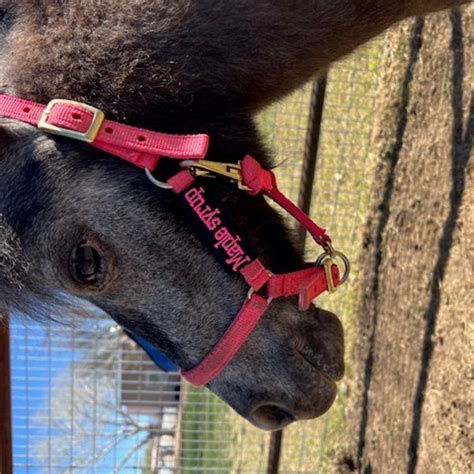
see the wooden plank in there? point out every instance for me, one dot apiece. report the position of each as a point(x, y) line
point(310, 159)
point(274, 454)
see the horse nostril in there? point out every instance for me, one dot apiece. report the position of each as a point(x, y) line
point(271, 417)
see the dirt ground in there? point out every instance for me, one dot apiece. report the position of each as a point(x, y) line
point(412, 388)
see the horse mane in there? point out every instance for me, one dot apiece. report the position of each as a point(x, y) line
point(17, 292)
point(120, 65)
point(13, 265)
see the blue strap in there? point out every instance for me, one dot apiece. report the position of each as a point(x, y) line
point(155, 355)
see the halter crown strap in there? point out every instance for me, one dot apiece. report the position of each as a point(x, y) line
point(82, 122)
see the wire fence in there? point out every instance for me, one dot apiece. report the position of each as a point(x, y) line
point(87, 400)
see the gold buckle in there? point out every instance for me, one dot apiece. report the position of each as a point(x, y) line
point(329, 258)
point(88, 136)
point(205, 168)
point(327, 264)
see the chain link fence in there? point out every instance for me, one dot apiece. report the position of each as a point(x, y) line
point(87, 400)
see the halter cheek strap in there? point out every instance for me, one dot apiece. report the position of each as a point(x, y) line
point(144, 148)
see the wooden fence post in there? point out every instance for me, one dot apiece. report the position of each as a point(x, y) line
point(6, 452)
point(308, 174)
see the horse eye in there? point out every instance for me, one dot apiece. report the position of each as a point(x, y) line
point(87, 265)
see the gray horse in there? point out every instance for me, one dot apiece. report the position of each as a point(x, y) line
point(78, 222)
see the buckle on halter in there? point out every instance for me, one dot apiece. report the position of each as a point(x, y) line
point(205, 168)
point(88, 136)
point(327, 265)
point(327, 260)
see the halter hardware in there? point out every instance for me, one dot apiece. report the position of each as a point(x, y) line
point(327, 260)
point(208, 169)
point(157, 182)
point(88, 136)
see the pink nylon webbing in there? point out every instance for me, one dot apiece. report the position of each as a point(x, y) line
point(141, 147)
point(260, 180)
point(227, 347)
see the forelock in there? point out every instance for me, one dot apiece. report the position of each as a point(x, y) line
point(13, 264)
point(19, 293)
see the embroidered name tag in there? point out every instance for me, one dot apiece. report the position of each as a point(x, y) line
point(222, 238)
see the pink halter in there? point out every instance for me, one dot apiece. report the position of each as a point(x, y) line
point(144, 149)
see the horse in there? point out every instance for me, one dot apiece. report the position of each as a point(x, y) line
point(79, 224)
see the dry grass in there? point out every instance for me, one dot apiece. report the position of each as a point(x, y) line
point(413, 372)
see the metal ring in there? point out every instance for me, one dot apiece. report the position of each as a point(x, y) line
point(186, 164)
point(159, 184)
point(336, 254)
point(252, 292)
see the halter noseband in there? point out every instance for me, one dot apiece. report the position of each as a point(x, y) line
point(144, 149)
